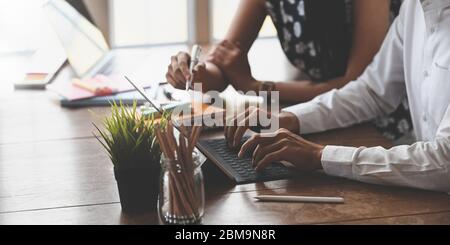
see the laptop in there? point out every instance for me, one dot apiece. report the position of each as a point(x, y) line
point(87, 50)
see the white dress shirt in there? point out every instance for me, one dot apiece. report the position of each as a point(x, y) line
point(414, 59)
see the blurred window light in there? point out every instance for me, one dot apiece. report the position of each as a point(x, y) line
point(141, 22)
point(23, 27)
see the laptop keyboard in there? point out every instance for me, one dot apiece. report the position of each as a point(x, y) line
point(240, 168)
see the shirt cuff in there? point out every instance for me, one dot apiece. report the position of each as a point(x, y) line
point(338, 161)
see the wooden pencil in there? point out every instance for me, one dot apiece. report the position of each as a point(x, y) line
point(182, 196)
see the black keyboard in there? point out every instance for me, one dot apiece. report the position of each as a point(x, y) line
point(240, 169)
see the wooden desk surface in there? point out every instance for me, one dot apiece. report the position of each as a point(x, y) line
point(52, 171)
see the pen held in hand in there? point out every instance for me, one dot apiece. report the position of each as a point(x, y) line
point(195, 56)
point(310, 199)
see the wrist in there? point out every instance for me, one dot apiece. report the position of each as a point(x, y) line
point(318, 157)
point(289, 121)
point(215, 77)
point(253, 84)
point(247, 84)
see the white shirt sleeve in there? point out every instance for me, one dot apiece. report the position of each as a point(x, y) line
point(377, 92)
point(423, 165)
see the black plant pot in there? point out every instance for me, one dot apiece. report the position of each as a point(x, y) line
point(138, 188)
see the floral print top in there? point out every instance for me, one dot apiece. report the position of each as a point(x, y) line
point(300, 24)
point(316, 37)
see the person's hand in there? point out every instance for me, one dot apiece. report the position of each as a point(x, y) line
point(283, 145)
point(178, 71)
point(236, 126)
point(234, 63)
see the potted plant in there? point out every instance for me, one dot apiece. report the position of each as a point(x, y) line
point(134, 151)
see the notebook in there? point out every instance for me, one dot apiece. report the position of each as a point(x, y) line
point(70, 91)
point(127, 98)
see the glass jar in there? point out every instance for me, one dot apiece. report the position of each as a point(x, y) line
point(181, 198)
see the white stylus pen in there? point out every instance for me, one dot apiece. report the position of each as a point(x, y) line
point(276, 198)
point(195, 56)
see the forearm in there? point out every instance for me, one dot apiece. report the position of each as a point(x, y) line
point(289, 121)
point(294, 92)
point(355, 103)
point(213, 79)
point(302, 91)
point(244, 30)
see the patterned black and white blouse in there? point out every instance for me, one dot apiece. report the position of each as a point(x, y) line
point(316, 37)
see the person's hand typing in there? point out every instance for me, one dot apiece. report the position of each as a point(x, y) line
point(283, 145)
point(236, 126)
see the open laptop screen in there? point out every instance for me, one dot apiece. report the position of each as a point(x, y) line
point(84, 43)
